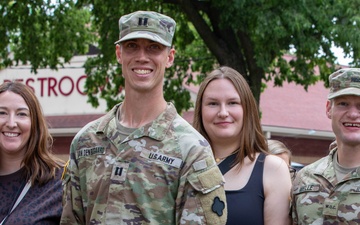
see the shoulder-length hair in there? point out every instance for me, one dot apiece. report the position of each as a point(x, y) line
point(39, 162)
point(277, 148)
point(252, 139)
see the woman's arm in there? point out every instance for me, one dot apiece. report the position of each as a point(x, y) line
point(277, 187)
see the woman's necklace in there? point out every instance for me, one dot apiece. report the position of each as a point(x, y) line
point(218, 160)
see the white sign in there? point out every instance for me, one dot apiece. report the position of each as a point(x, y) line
point(60, 92)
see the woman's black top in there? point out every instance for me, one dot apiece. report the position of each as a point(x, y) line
point(246, 206)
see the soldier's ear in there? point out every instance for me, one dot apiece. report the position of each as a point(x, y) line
point(328, 108)
point(170, 58)
point(118, 53)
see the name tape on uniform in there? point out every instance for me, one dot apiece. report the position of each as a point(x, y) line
point(90, 151)
point(159, 157)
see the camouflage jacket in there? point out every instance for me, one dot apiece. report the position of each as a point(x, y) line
point(162, 173)
point(319, 198)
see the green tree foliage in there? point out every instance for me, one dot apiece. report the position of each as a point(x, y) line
point(252, 36)
point(42, 33)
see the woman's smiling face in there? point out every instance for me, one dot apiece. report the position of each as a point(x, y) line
point(222, 111)
point(15, 124)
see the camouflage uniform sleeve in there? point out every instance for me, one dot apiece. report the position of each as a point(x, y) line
point(293, 213)
point(73, 210)
point(202, 195)
point(307, 196)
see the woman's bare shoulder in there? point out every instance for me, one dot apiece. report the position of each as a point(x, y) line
point(275, 163)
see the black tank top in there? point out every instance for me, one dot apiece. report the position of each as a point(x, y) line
point(246, 206)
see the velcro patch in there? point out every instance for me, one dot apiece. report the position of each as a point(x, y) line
point(355, 190)
point(119, 171)
point(308, 188)
point(330, 207)
point(90, 151)
point(159, 157)
point(218, 206)
point(200, 165)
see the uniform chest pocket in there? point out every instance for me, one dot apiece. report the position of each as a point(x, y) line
point(349, 200)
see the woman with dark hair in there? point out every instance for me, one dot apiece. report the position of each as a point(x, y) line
point(30, 175)
point(257, 184)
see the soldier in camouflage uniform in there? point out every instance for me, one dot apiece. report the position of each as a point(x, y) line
point(142, 163)
point(328, 190)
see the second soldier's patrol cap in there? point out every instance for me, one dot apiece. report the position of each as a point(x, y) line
point(344, 82)
point(147, 24)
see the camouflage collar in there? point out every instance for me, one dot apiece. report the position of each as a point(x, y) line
point(156, 129)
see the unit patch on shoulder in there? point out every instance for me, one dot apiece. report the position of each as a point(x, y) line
point(218, 206)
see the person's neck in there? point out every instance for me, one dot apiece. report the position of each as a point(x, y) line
point(221, 151)
point(138, 111)
point(9, 165)
point(348, 156)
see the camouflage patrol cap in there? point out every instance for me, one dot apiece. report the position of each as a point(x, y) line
point(147, 24)
point(344, 82)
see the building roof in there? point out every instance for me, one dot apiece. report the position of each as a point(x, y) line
point(292, 107)
point(69, 125)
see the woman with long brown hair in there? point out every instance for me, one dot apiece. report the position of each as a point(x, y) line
point(257, 184)
point(30, 175)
